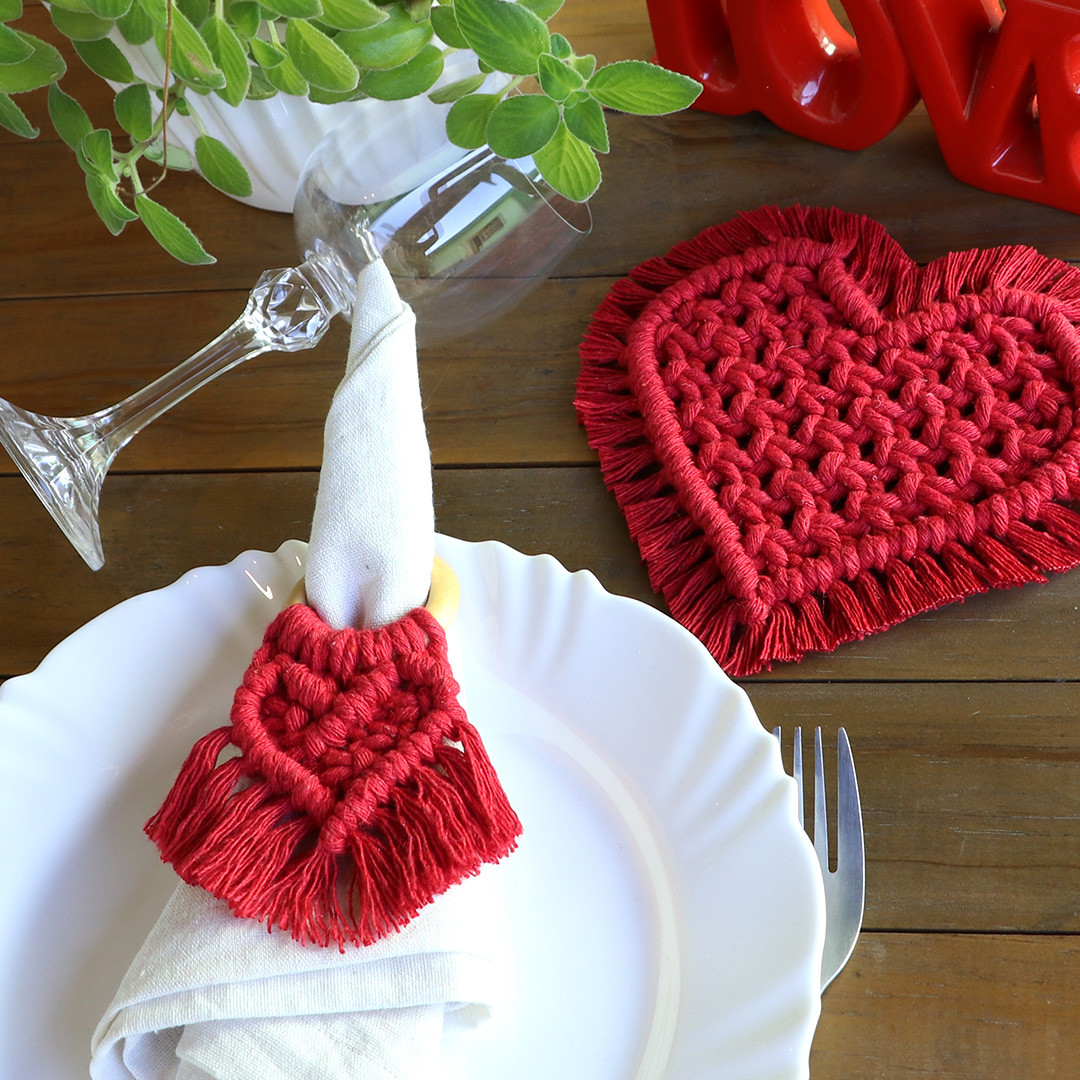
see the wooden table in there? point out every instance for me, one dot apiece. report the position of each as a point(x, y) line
point(965, 722)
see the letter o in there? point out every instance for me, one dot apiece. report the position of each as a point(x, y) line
point(808, 75)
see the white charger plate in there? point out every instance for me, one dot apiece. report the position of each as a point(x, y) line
point(666, 914)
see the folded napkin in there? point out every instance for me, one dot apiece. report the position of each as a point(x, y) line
point(214, 997)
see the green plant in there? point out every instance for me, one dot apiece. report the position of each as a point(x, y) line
point(551, 106)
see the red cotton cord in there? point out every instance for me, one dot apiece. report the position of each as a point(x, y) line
point(354, 790)
point(813, 438)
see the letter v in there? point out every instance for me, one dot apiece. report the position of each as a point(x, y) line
point(1001, 90)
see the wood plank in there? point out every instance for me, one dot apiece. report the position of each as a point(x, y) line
point(565, 511)
point(54, 245)
point(952, 1007)
point(717, 166)
point(503, 395)
point(667, 178)
point(48, 593)
point(970, 796)
point(613, 30)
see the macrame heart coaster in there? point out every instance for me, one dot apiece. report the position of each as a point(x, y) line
point(360, 791)
point(812, 438)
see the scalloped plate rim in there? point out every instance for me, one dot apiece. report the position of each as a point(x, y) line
point(766, 1034)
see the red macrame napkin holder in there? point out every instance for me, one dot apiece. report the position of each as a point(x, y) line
point(812, 438)
point(349, 789)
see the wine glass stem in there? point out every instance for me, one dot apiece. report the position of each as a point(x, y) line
point(288, 310)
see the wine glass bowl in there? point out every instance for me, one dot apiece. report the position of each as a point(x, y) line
point(465, 234)
point(465, 245)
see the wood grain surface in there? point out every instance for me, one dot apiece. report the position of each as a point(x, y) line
point(965, 722)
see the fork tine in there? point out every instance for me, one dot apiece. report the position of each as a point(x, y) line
point(796, 764)
point(849, 833)
point(845, 888)
point(796, 769)
point(821, 807)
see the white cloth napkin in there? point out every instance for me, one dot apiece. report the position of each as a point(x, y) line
point(214, 997)
point(373, 533)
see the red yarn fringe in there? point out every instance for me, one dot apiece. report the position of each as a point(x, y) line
point(360, 790)
point(681, 564)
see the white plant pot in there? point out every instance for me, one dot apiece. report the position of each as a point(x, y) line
point(274, 137)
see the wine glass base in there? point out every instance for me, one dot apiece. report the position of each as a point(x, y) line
point(47, 455)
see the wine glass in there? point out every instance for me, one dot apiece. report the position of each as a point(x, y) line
point(465, 236)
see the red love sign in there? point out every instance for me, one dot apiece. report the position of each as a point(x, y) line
point(1002, 88)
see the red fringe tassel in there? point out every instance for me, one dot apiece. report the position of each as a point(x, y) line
point(357, 791)
point(704, 581)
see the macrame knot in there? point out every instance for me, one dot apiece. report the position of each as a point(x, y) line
point(813, 438)
point(357, 790)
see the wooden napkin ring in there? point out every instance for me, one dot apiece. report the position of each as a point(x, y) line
point(442, 600)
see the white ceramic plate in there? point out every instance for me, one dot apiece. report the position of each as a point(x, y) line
point(666, 910)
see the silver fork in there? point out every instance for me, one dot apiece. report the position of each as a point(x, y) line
point(845, 887)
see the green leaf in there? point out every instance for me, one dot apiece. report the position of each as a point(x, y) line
point(286, 78)
point(411, 79)
point(444, 23)
point(261, 87)
point(68, 117)
point(112, 210)
point(318, 59)
point(466, 122)
point(584, 116)
point(78, 25)
point(10, 10)
point(133, 111)
point(584, 65)
point(14, 119)
point(171, 233)
point(419, 10)
point(507, 36)
point(294, 9)
point(136, 26)
point(108, 9)
point(266, 54)
point(192, 60)
point(558, 80)
point(230, 56)
point(352, 14)
point(197, 11)
point(245, 17)
point(520, 125)
point(390, 44)
point(543, 9)
point(645, 89)
point(329, 97)
point(221, 167)
point(561, 49)
point(13, 46)
point(569, 165)
point(443, 95)
point(95, 154)
point(179, 160)
point(105, 59)
point(157, 11)
point(43, 65)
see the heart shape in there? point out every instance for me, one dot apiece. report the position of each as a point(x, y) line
point(360, 791)
point(813, 438)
